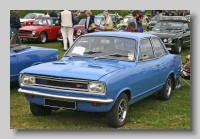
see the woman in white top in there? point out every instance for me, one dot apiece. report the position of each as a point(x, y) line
point(46, 14)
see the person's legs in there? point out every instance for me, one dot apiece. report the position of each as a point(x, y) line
point(70, 36)
point(18, 38)
point(64, 34)
point(14, 35)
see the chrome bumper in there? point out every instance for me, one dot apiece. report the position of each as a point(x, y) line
point(31, 37)
point(35, 93)
point(58, 39)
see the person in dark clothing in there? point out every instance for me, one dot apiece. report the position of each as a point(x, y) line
point(139, 22)
point(184, 13)
point(166, 13)
point(53, 14)
point(15, 25)
point(82, 15)
point(74, 16)
point(89, 20)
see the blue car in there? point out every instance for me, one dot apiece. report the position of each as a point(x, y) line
point(22, 56)
point(103, 72)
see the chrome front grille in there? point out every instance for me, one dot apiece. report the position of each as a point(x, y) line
point(25, 32)
point(61, 83)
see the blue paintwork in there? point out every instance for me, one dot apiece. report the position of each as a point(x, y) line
point(140, 79)
point(29, 57)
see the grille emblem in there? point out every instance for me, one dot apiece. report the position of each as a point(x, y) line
point(79, 85)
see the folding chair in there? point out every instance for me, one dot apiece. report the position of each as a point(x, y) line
point(184, 78)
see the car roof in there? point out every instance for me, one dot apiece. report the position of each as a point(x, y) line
point(46, 17)
point(184, 21)
point(133, 35)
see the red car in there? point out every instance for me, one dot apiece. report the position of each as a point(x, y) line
point(42, 30)
point(30, 18)
point(80, 28)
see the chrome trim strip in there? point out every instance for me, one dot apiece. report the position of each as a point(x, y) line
point(82, 99)
point(28, 37)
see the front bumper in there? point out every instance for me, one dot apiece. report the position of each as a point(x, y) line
point(28, 36)
point(170, 46)
point(68, 98)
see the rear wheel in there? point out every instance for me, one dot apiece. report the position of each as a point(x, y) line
point(117, 116)
point(38, 110)
point(165, 93)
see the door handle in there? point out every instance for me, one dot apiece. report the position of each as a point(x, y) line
point(157, 64)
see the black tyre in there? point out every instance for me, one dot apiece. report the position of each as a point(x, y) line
point(42, 38)
point(165, 93)
point(117, 116)
point(178, 47)
point(38, 110)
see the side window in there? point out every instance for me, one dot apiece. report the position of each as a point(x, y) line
point(158, 47)
point(186, 26)
point(146, 51)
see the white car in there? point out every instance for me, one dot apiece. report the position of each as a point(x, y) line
point(29, 18)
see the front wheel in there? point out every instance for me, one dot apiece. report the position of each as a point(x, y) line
point(165, 93)
point(117, 116)
point(178, 47)
point(38, 110)
point(43, 37)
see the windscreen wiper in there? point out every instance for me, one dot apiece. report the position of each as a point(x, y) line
point(92, 52)
point(118, 55)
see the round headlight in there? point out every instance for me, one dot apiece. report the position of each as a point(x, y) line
point(33, 32)
point(78, 32)
point(96, 87)
point(165, 40)
point(169, 40)
point(26, 79)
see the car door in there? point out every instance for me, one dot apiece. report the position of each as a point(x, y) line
point(161, 56)
point(13, 65)
point(148, 67)
point(186, 34)
point(54, 28)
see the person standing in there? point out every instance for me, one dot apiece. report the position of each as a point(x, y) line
point(166, 13)
point(66, 21)
point(135, 14)
point(53, 14)
point(89, 22)
point(108, 24)
point(139, 22)
point(46, 14)
point(131, 28)
point(15, 25)
point(82, 15)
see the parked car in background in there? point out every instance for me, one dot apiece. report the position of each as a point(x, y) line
point(80, 28)
point(29, 18)
point(102, 72)
point(115, 18)
point(124, 23)
point(22, 56)
point(42, 30)
point(153, 21)
point(174, 33)
point(188, 18)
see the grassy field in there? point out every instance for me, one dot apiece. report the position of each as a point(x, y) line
point(148, 113)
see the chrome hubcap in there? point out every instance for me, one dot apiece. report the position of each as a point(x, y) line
point(43, 38)
point(168, 87)
point(122, 110)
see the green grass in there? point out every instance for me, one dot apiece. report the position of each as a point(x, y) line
point(148, 113)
